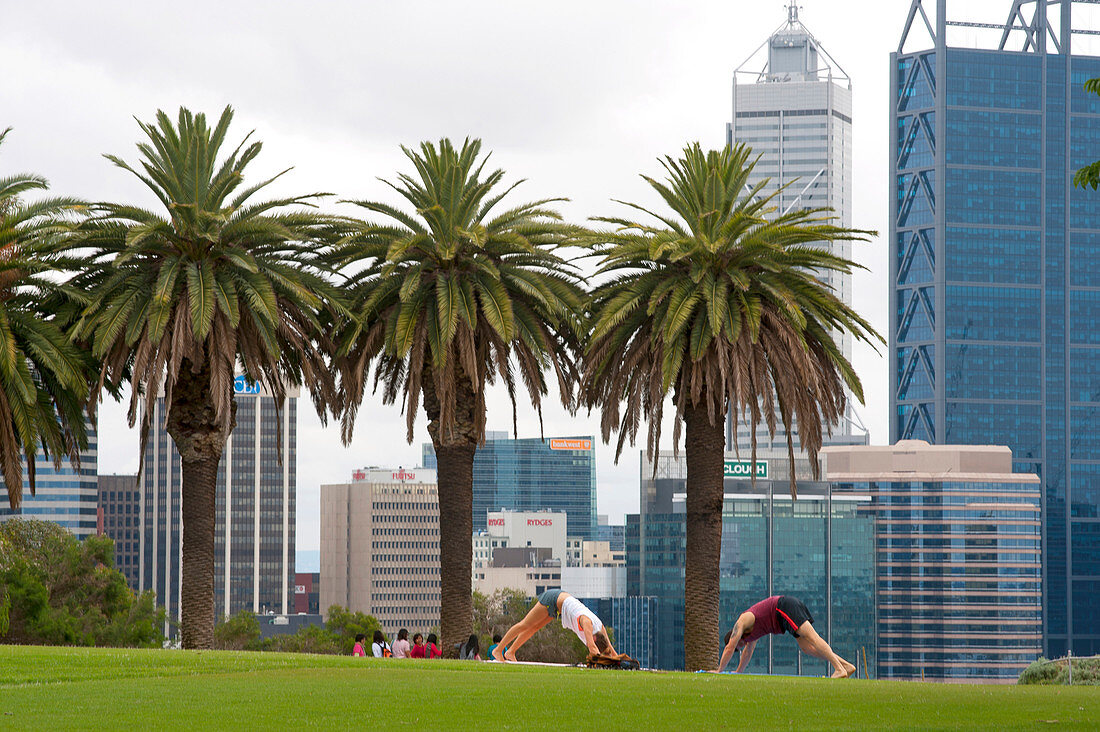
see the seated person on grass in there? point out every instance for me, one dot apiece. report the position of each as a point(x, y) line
point(574, 616)
point(777, 615)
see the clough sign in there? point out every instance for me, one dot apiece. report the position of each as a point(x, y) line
point(742, 469)
point(566, 444)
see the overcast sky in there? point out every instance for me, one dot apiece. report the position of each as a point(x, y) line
point(576, 97)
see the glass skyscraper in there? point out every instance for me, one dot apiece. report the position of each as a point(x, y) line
point(68, 497)
point(532, 474)
point(995, 271)
point(819, 548)
point(957, 542)
point(254, 527)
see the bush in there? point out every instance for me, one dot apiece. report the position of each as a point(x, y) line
point(56, 590)
point(1086, 671)
point(240, 632)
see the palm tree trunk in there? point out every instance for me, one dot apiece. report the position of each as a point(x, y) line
point(454, 450)
point(705, 447)
point(200, 439)
point(456, 525)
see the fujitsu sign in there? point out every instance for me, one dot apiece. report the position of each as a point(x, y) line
point(403, 475)
point(540, 522)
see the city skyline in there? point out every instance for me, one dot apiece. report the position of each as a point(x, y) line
point(645, 93)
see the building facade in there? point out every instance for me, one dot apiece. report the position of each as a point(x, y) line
point(120, 519)
point(995, 271)
point(792, 104)
point(555, 474)
point(818, 548)
point(255, 509)
point(380, 547)
point(530, 529)
point(958, 546)
point(67, 496)
point(307, 593)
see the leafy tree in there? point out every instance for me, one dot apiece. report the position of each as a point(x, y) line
point(56, 590)
point(239, 632)
point(176, 301)
point(344, 624)
point(43, 377)
point(717, 304)
point(498, 612)
point(450, 298)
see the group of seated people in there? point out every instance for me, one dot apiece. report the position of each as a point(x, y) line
point(401, 648)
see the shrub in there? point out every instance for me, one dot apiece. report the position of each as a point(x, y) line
point(1086, 671)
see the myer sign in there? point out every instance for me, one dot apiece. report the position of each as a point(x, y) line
point(743, 469)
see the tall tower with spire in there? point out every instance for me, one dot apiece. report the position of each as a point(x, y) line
point(792, 104)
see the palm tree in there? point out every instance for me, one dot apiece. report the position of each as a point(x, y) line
point(718, 303)
point(43, 377)
point(450, 298)
point(179, 299)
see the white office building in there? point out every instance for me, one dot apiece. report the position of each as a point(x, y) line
point(792, 104)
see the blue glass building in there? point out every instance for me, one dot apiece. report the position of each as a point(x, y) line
point(633, 623)
point(68, 497)
point(819, 548)
point(957, 543)
point(995, 265)
point(557, 473)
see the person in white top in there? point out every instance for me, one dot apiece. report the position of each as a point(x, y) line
point(574, 616)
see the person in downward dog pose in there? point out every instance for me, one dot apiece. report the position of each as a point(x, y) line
point(574, 616)
point(778, 615)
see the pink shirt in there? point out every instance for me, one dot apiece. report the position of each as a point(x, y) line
point(358, 650)
point(401, 649)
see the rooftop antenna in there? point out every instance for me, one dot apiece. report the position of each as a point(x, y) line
point(792, 13)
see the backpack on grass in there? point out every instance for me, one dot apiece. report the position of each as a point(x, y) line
point(619, 662)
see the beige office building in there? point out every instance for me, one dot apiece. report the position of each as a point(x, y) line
point(380, 547)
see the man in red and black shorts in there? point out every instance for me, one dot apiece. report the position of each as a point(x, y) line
point(778, 615)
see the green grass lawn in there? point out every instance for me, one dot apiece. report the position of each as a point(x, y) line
point(67, 688)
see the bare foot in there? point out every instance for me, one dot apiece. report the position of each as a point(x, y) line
point(497, 655)
point(844, 673)
point(510, 657)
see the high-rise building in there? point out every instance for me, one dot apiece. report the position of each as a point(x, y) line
point(792, 104)
point(555, 474)
point(818, 548)
point(67, 497)
point(958, 547)
point(995, 269)
point(380, 547)
point(120, 519)
point(255, 520)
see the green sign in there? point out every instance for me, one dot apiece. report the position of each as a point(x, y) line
point(742, 469)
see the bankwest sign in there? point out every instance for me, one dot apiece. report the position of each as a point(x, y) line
point(742, 469)
point(564, 444)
